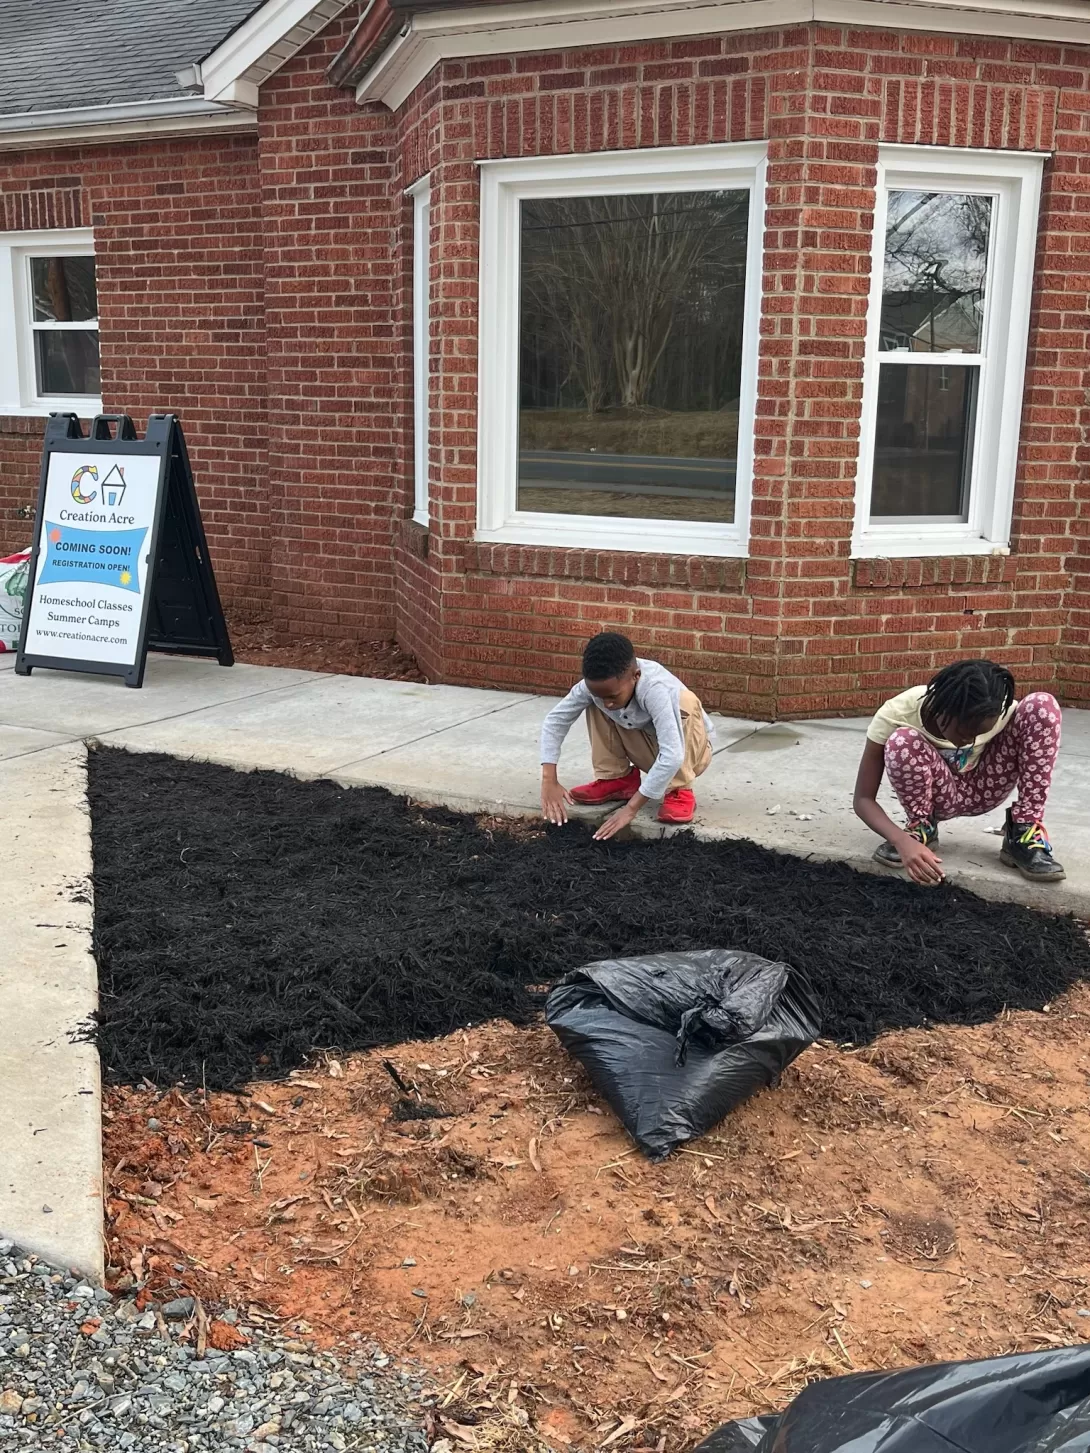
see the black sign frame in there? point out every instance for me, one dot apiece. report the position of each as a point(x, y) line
point(180, 609)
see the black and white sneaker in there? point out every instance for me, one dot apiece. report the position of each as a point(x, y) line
point(925, 831)
point(1026, 847)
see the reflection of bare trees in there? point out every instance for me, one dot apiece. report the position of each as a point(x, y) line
point(633, 301)
point(936, 259)
point(64, 288)
point(56, 281)
point(64, 291)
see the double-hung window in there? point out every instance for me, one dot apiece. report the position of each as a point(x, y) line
point(954, 240)
point(49, 311)
point(618, 342)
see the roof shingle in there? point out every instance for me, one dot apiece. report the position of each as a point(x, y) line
point(67, 54)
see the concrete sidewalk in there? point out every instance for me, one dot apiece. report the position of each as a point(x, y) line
point(51, 1126)
point(786, 786)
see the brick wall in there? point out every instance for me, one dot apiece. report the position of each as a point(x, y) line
point(806, 630)
point(20, 470)
point(422, 566)
point(180, 290)
point(851, 635)
point(512, 617)
point(1056, 429)
point(261, 286)
point(338, 369)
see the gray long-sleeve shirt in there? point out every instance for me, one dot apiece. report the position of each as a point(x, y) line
point(655, 706)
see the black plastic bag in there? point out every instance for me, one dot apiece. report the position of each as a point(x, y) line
point(675, 1041)
point(1029, 1402)
point(743, 1437)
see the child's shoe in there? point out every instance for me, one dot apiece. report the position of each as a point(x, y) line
point(1027, 848)
point(925, 831)
point(678, 806)
point(608, 789)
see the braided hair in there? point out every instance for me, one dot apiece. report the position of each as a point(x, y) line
point(968, 692)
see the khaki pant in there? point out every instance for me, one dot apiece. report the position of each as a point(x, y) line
point(615, 749)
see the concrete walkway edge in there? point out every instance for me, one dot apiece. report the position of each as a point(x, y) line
point(50, 1091)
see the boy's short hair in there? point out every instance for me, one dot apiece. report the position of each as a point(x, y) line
point(606, 655)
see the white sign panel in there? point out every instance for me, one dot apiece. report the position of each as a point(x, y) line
point(87, 600)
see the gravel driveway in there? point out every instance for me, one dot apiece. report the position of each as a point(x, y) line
point(82, 1370)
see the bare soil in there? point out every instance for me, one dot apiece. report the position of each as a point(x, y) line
point(924, 1198)
point(262, 644)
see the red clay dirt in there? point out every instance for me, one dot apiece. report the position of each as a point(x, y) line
point(261, 644)
point(922, 1199)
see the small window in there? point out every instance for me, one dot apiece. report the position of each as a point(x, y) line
point(619, 300)
point(64, 322)
point(953, 258)
point(934, 283)
point(421, 200)
point(49, 308)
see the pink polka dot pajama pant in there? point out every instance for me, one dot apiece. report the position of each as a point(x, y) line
point(1022, 756)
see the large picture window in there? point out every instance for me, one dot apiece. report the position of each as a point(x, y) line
point(618, 339)
point(949, 316)
point(49, 312)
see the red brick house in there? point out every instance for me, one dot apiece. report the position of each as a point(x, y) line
point(755, 328)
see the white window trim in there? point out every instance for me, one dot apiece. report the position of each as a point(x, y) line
point(1014, 179)
point(503, 185)
point(18, 376)
point(420, 192)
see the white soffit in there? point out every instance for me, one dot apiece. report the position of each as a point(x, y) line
point(235, 70)
point(435, 36)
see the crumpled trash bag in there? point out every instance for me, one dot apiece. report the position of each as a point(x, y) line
point(742, 1437)
point(1027, 1402)
point(14, 583)
point(675, 1041)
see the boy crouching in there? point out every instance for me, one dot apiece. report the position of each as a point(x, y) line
point(641, 718)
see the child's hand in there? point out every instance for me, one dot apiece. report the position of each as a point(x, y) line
point(554, 798)
point(617, 820)
point(922, 865)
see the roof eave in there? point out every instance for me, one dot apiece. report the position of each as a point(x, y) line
point(436, 30)
point(415, 7)
point(383, 22)
point(123, 121)
point(377, 26)
point(265, 41)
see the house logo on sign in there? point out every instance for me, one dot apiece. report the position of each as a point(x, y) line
point(113, 487)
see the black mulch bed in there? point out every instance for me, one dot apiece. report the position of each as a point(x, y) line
point(243, 919)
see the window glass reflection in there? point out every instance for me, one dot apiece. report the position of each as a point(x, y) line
point(923, 443)
point(936, 260)
point(630, 347)
point(64, 289)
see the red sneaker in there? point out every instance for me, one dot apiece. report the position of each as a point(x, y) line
point(608, 789)
point(678, 806)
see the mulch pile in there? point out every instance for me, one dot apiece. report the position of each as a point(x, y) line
point(244, 919)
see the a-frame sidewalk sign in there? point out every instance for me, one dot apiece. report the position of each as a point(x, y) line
point(119, 563)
